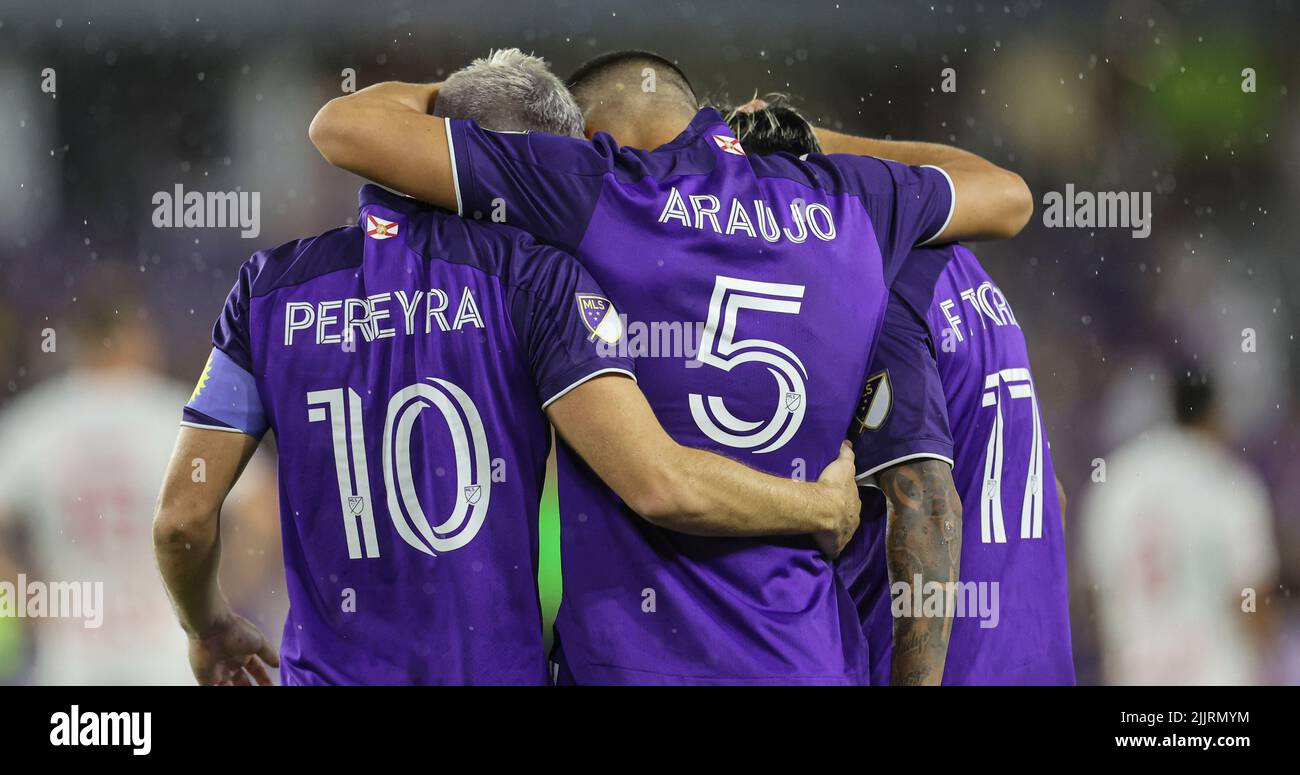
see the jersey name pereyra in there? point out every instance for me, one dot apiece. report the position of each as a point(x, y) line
point(379, 316)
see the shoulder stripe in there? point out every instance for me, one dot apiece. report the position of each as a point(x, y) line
point(455, 173)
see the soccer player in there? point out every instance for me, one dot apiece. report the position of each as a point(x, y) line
point(921, 496)
point(1179, 546)
point(81, 457)
point(408, 365)
point(781, 262)
point(906, 450)
point(951, 381)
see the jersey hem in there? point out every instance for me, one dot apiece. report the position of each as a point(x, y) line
point(227, 429)
point(583, 379)
point(952, 204)
point(914, 456)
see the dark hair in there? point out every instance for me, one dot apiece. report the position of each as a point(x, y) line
point(1193, 396)
point(776, 128)
point(591, 72)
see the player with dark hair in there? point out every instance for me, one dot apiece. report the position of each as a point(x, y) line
point(408, 366)
point(771, 125)
point(1178, 542)
point(784, 262)
point(926, 371)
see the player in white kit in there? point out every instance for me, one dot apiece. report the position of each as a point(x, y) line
point(81, 461)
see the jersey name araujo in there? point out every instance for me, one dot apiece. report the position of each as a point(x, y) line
point(987, 305)
point(379, 316)
point(706, 212)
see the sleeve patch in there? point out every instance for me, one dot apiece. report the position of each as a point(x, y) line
point(877, 400)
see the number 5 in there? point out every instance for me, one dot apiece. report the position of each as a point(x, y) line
point(720, 349)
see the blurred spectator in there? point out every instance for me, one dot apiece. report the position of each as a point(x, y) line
point(81, 461)
point(1179, 546)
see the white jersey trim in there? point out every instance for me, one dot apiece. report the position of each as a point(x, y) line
point(952, 204)
point(860, 478)
point(586, 378)
point(455, 175)
point(189, 424)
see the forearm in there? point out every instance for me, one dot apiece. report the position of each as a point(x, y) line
point(906, 152)
point(990, 202)
point(923, 545)
point(609, 424)
point(187, 522)
point(715, 496)
point(188, 551)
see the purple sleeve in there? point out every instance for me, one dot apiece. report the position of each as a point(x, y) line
point(226, 396)
point(904, 414)
point(230, 334)
point(571, 330)
point(225, 399)
point(908, 205)
point(546, 185)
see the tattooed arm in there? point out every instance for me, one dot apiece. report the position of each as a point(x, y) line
point(922, 538)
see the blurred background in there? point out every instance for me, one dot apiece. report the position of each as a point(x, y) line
point(105, 318)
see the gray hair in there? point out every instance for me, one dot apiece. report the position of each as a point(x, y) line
point(510, 91)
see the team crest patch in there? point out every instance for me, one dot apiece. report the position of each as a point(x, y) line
point(600, 318)
point(729, 145)
point(877, 400)
point(378, 228)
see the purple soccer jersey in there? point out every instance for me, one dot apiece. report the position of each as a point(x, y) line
point(953, 357)
point(404, 364)
point(753, 289)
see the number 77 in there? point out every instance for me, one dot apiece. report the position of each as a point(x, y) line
point(992, 529)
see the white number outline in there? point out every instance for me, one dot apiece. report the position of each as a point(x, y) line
point(723, 351)
point(992, 528)
point(470, 449)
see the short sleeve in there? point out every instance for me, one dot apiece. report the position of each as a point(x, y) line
point(226, 397)
point(903, 414)
point(546, 185)
point(908, 205)
point(571, 330)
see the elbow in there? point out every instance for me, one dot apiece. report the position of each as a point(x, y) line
point(656, 505)
point(178, 531)
point(327, 130)
point(1019, 205)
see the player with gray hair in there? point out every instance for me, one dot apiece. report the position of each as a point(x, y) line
point(510, 91)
